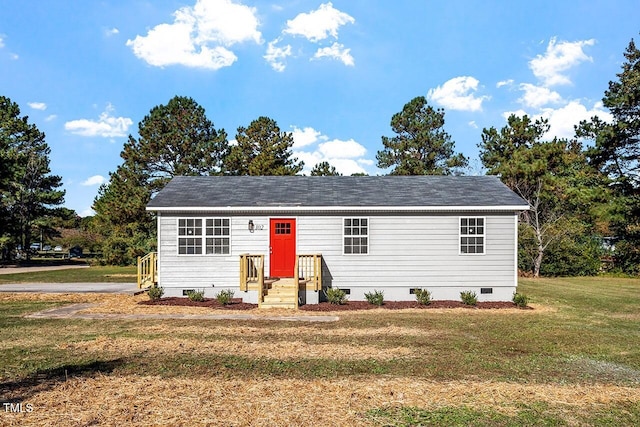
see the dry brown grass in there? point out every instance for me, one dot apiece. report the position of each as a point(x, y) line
point(146, 401)
point(286, 350)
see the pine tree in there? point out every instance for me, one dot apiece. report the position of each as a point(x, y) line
point(262, 149)
point(174, 139)
point(28, 191)
point(421, 146)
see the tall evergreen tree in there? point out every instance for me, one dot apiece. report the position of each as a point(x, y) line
point(616, 153)
point(262, 149)
point(421, 146)
point(174, 139)
point(552, 176)
point(28, 191)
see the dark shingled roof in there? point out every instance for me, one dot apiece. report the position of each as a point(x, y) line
point(211, 192)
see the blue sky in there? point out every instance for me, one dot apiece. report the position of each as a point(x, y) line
point(333, 73)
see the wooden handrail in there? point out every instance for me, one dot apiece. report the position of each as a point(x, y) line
point(309, 268)
point(148, 270)
point(249, 270)
point(261, 284)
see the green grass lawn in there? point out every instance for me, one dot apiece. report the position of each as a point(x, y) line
point(92, 274)
point(584, 331)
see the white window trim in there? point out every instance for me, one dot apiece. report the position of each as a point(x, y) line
point(483, 235)
point(203, 236)
point(368, 234)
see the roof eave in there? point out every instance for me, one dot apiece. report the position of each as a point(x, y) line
point(214, 209)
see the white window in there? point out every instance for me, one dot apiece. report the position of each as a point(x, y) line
point(356, 235)
point(217, 233)
point(472, 236)
point(214, 238)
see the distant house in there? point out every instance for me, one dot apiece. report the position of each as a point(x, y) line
point(281, 241)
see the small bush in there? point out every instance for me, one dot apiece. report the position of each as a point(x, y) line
point(224, 297)
point(375, 297)
point(336, 296)
point(520, 300)
point(197, 296)
point(155, 293)
point(423, 296)
point(469, 297)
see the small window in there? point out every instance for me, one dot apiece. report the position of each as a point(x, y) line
point(189, 236)
point(217, 232)
point(472, 236)
point(283, 228)
point(356, 236)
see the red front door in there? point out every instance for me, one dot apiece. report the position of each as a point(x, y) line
point(283, 247)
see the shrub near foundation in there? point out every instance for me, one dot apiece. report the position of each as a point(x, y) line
point(197, 296)
point(224, 297)
point(336, 296)
point(423, 296)
point(156, 292)
point(375, 297)
point(469, 297)
point(520, 300)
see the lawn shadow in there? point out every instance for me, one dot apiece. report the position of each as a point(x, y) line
point(22, 389)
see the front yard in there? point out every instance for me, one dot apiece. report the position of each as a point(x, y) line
point(573, 360)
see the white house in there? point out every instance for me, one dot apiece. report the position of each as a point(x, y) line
point(388, 233)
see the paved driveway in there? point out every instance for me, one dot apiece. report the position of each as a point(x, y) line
point(110, 288)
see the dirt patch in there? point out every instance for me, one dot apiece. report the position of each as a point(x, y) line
point(236, 303)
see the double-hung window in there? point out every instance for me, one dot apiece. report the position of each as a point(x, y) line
point(356, 235)
point(189, 236)
point(472, 236)
point(209, 236)
point(217, 233)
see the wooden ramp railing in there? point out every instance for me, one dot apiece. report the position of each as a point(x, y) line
point(251, 271)
point(148, 270)
point(309, 268)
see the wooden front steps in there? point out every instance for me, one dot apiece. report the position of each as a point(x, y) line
point(282, 293)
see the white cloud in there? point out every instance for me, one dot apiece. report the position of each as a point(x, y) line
point(106, 126)
point(50, 118)
point(562, 120)
point(538, 96)
point(94, 180)
point(559, 58)
point(473, 124)
point(347, 156)
point(87, 212)
point(306, 136)
point(341, 149)
point(458, 94)
point(501, 83)
point(1, 41)
point(199, 36)
point(318, 24)
point(37, 105)
point(111, 32)
point(275, 55)
point(336, 51)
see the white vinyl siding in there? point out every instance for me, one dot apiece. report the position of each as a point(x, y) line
point(404, 251)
